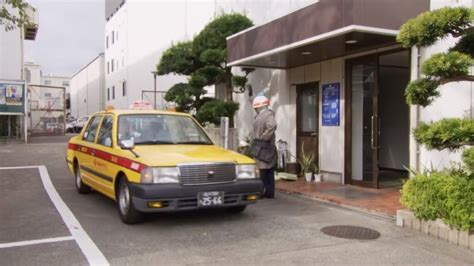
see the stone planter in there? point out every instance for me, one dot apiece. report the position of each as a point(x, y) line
point(437, 229)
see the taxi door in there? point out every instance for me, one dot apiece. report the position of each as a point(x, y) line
point(86, 151)
point(103, 163)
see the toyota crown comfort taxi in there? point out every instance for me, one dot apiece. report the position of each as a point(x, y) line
point(156, 161)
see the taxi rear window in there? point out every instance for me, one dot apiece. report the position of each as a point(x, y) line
point(148, 129)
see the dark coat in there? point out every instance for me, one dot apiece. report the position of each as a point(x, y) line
point(264, 127)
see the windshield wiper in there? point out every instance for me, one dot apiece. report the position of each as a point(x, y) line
point(194, 142)
point(150, 142)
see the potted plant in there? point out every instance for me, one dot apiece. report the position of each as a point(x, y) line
point(317, 174)
point(306, 163)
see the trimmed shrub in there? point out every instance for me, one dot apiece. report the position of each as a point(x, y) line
point(441, 195)
point(448, 133)
point(468, 159)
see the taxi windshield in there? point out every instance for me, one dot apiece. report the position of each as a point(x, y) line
point(151, 129)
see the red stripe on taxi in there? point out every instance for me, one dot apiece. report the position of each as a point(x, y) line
point(121, 161)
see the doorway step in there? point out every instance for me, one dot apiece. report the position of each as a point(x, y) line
point(382, 202)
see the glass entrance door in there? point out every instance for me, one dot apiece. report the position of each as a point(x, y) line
point(307, 119)
point(364, 129)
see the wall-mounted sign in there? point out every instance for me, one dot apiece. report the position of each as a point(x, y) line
point(331, 103)
point(12, 97)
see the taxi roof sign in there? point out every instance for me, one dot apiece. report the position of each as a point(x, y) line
point(141, 105)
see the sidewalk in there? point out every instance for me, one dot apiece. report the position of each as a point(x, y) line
point(384, 202)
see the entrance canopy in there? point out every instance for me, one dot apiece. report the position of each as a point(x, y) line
point(321, 31)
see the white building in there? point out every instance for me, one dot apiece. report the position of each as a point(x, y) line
point(333, 70)
point(87, 88)
point(32, 73)
point(12, 78)
point(336, 79)
point(137, 32)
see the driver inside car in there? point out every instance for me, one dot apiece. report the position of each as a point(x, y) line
point(126, 130)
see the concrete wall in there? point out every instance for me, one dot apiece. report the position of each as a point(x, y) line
point(87, 87)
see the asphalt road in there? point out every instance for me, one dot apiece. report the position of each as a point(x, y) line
point(282, 231)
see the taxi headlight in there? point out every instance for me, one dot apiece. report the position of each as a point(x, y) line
point(247, 171)
point(159, 175)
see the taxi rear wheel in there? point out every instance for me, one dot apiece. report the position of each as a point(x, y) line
point(127, 211)
point(80, 186)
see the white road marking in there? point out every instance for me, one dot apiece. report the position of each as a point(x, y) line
point(20, 167)
point(34, 242)
point(92, 253)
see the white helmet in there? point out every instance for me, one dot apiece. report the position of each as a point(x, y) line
point(260, 101)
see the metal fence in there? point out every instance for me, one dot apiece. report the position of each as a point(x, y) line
point(46, 110)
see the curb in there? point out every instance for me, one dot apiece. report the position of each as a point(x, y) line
point(378, 214)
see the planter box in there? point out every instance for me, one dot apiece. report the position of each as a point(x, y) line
point(437, 229)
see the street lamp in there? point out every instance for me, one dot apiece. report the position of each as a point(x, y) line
point(154, 88)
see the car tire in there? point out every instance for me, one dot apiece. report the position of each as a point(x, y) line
point(237, 209)
point(80, 186)
point(127, 211)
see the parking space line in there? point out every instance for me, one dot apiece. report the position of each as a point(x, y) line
point(92, 253)
point(37, 241)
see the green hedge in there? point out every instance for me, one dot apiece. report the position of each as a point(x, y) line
point(444, 195)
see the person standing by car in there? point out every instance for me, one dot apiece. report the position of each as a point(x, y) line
point(263, 148)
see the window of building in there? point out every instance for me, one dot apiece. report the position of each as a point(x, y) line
point(123, 61)
point(113, 37)
point(107, 42)
point(116, 36)
point(112, 63)
point(108, 67)
point(113, 92)
point(65, 83)
point(108, 94)
point(47, 82)
point(124, 88)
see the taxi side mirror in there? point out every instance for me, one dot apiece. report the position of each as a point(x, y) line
point(127, 144)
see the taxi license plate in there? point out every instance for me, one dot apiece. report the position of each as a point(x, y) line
point(212, 198)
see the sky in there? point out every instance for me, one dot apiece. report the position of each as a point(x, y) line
point(70, 35)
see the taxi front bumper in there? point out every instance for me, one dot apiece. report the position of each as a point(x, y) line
point(176, 197)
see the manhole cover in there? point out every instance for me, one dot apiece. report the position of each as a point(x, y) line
point(350, 232)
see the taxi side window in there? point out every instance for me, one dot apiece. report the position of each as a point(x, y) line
point(105, 134)
point(91, 131)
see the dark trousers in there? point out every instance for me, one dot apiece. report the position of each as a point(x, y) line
point(268, 179)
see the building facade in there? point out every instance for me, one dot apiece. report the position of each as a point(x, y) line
point(87, 88)
point(12, 77)
point(137, 32)
point(337, 84)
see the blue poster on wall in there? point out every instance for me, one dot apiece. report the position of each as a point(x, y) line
point(330, 101)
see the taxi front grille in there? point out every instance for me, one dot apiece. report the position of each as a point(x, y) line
point(199, 174)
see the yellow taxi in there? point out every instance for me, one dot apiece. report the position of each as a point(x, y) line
point(158, 161)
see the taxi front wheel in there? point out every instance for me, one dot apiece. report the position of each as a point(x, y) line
point(128, 213)
point(80, 186)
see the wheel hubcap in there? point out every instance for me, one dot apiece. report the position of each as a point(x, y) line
point(124, 199)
